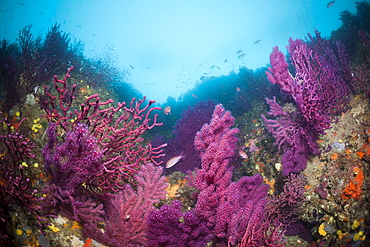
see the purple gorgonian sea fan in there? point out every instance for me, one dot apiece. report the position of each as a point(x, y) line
point(319, 86)
point(17, 152)
point(192, 119)
point(92, 152)
point(126, 213)
point(226, 212)
point(234, 211)
point(116, 132)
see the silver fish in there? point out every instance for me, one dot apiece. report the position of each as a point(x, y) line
point(173, 161)
point(243, 154)
point(330, 4)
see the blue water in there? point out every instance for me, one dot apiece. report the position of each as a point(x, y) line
point(166, 46)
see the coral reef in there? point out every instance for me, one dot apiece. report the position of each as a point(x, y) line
point(77, 169)
point(339, 174)
point(97, 155)
point(126, 213)
point(320, 91)
point(16, 152)
point(192, 119)
point(169, 226)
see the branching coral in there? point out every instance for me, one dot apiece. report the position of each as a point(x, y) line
point(117, 131)
point(15, 186)
point(128, 211)
point(320, 89)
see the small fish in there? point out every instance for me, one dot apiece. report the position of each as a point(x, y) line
point(132, 67)
point(225, 60)
point(195, 96)
point(237, 89)
point(330, 4)
point(173, 161)
point(240, 51)
point(257, 42)
point(242, 56)
point(243, 154)
point(167, 110)
point(252, 146)
point(79, 26)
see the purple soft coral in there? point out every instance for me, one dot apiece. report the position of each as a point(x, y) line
point(127, 212)
point(242, 206)
point(118, 131)
point(320, 90)
point(16, 150)
point(229, 208)
point(98, 153)
point(192, 119)
point(171, 227)
point(231, 212)
point(77, 160)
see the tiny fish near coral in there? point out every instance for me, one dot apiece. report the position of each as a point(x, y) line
point(167, 110)
point(243, 154)
point(173, 161)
